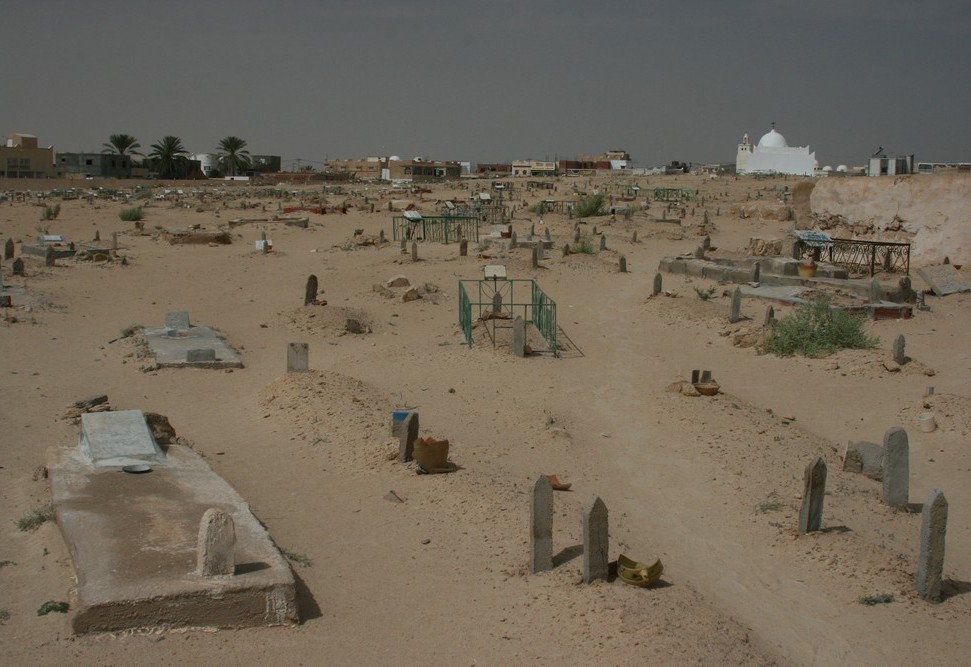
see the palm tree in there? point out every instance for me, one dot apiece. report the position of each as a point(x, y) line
point(122, 144)
point(169, 156)
point(233, 156)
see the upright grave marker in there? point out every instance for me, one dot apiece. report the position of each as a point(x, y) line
point(541, 526)
point(933, 529)
point(896, 467)
point(814, 488)
point(216, 547)
point(596, 542)
point(310, 290)
point(735, 313)
point(298, 357)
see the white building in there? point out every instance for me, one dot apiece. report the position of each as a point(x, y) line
point(774, 155)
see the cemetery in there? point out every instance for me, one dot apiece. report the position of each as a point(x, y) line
point(710, 487)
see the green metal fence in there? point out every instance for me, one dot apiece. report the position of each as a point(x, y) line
point(444, 229)
point(510, 297)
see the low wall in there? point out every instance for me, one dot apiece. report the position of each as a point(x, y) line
point(929, 211)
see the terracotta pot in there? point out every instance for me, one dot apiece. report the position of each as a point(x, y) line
point(431, 454)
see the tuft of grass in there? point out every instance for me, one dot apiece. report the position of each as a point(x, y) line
point(131, 214)
point(772, 503)
point(33, 519)
point(584, 247)
point(298, 558)
point(5, 563)
point(589, 206)
point(51, 212)
point(816, 330)
point(4, 616)
point(870, 600)
point(53, 606)
point(705, 294)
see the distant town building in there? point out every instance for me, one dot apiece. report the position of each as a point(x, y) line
point(21, 158)
point(264, 164)
point(208, 163)
point(422, 170)
point(366, 169)
point(98, 165)
point(773, 155)
point(493, 169)
point(881, 165)
point(523, 168)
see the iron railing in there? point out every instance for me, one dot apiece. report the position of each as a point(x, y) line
point(444, 229)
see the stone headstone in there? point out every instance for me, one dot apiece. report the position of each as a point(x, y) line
point(264, 246)
point(534, 260)
point(814, 488)
point(603, 242)
point(496, 302)
point(216, 548)
point(114, 240)
point(97, 235)
point(896, 467)
point(633, 237)
point(119, 438)
point(706, 242)
point(769, 316)
point(200, 355)
point(699, 253)
point(404, 245)
point(756, 272)
point(50, 257)
point(18, 267)
point(463, 248)
point(406, 431)
point(519, 336)
point(532, 231)
point(541, 525)
point(512, 240)
point(576, 236)
point(657, 285)
point(735, 312)
point(930, 562)
point(943, 279)
point(177, 319)
point(540, 251)
point(566, 249)
point(865, 458)
point(381, 238)
point(596, 542)
point(546, 234)
point(876, 291)
point(298, 357)
point(310, 290)
point(414, 251)
point(8, 249)
point(622, 264)
point(899, 354)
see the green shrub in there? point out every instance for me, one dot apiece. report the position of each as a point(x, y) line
point(705, 294)
point(131, 214)
point(816, 330)
point(33, 519)
point(51, 212)
point(538, 207)
point(590, 206)
point(584, 247)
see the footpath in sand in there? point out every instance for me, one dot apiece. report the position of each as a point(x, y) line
point(709, 485)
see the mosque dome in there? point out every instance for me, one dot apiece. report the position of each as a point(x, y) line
point(842, 168)
point(773, 140)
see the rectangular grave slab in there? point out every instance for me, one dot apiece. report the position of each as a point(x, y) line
point(133, 540)
point(944, 279)
point(119, 438)
point(175, 347)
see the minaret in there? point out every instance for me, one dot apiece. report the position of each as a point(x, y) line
point(742, 156)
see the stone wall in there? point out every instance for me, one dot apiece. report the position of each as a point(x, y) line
point(929, 211)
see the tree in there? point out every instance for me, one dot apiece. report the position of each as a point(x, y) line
point(169, 157)
point(122, 144)
point(233, 156)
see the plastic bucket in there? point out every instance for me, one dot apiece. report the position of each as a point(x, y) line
point(926, 422)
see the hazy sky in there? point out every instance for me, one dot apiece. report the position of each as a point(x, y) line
point(493, 80)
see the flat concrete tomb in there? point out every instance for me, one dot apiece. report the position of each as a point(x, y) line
point(179, 344)
point(134, 537)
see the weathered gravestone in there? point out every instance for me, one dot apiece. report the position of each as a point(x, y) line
point(896, 467)
point(216, 548)
point(769, 316)
point(622, 264)
point(735, 311)
point(380, 232)
point(8, 249)
point(18, 267)
point(534, 260)
point(943, 279)
point(50, 257)
point(899, 354)
point(546, 234)
point(519, 336)
point(876, 291)
point(603, 242)
point(657, 285)
point(756, 272)
point(933, 530)
point(298, 357)
point(114, 240)
point(177, 319)
point(512, 240)
point(406, 430)
point(814, 488)
point(541, 526)
point(463, 248)
point(596, 542)
point(414, 251)
point(310, 291)
point(865, 458)
point(633, 237)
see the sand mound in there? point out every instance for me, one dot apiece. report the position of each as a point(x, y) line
point(326, 320)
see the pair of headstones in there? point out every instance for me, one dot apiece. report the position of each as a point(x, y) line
point(596, 542)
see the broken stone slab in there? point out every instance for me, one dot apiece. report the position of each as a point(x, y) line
point(865, 458)
point(943, 279)
point(200, 355)
point(121, 438)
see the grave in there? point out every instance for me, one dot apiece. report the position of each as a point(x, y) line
point(179, 344)
point(133, 538)
point(115, 439)
point(298, 357)
point(943, 279)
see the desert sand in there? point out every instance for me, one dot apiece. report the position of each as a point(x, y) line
point(711, 485)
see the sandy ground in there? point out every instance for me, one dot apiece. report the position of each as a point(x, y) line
point(712, 486)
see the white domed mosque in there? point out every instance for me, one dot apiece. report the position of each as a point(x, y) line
point(774, 155)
